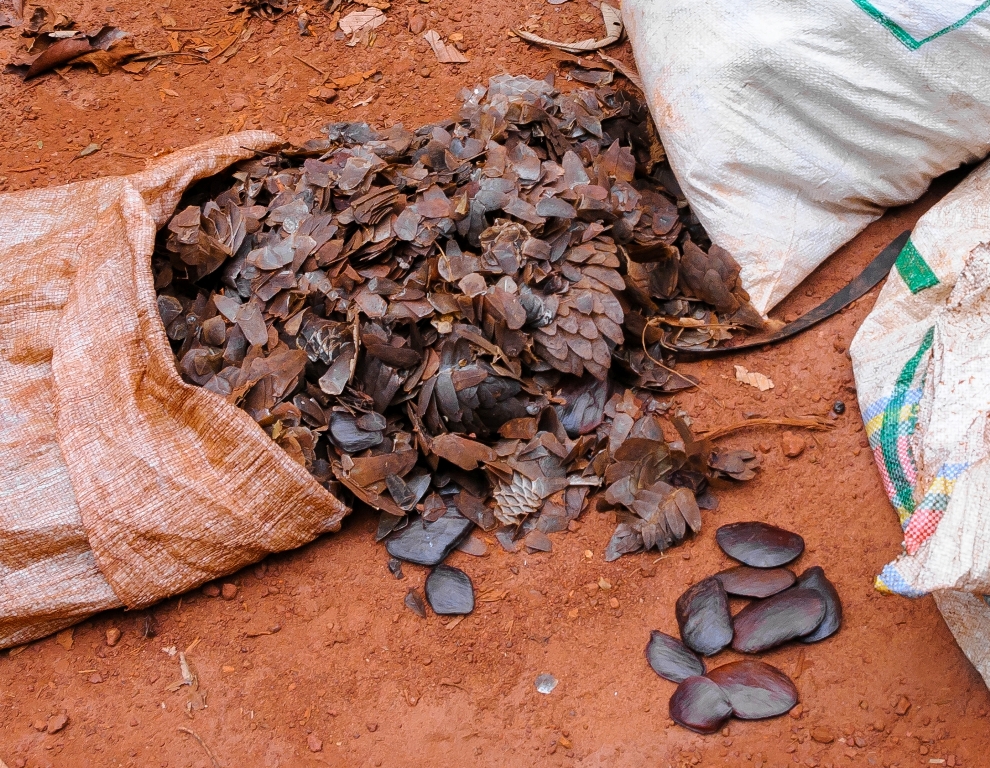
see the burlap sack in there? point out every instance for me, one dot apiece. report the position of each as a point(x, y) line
point(120, 484)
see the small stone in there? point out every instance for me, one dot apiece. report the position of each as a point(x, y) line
point(211, 590)
point(838, 407)
point(923, 750)
point(134, 722)
point(96, 678)
point(113, 636)
point(323, 93)
point(38, 725)
point(57, 722)
point(879, 725)
point(372, 727)
point(903, 705)
point(565, 742)
point(613, 602)
point(797, 711)
point(314, 743)
point(859, 741)
point(792, 445)
point(951, 761)
point(20, 763)
point(229, 591)
point(416, 24)
point(425, 72)
point(822, 735)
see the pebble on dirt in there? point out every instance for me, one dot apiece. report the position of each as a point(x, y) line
point(57, 722)
point(314, 743)
point(211, 590)
point(903, 705)
point(228, 591)
point(792, 444)
point(113, 636)
point(822, 735)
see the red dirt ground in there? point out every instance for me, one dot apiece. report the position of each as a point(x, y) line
point(353, 678)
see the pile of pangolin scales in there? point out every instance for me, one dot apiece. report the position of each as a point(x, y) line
point(467, 319)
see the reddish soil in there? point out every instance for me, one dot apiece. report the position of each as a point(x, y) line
point(352, 678)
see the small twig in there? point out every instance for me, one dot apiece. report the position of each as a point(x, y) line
point(311, 66)
point(209, 752)
point(200, 59)
point(785, 421)
point(25, 169)
point(205, 24)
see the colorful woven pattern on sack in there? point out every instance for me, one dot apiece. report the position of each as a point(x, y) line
point(922, 524)
point(890, 423)
point(890, 582)
point(919, 526)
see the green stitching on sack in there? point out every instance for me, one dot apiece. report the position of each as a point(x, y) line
point(898, 31)
point(914, 270)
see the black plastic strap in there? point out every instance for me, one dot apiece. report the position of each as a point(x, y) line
point(875, 271)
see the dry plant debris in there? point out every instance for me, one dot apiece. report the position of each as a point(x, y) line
point(754, 379)
point(612, 19)
point(460, 325)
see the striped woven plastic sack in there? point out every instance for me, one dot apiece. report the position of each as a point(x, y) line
point(120, 484)
point(792, 124)
point(922, 366)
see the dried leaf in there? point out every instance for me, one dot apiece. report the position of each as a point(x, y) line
point(613, 32)
point(754, 379)
point(360, 24)
point(445, 52)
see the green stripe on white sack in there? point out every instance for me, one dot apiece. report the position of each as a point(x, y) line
point(910, 41)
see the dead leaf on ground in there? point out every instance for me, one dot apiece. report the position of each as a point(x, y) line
point(60, 53)
point(445, 52)
point(754, 379)
point(360, 24)
point(613, 33)
point(628, 71)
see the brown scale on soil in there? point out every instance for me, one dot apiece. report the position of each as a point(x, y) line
point(348, 653)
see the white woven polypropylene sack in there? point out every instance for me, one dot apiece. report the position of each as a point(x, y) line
point(922, 366)
point(791, 125)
